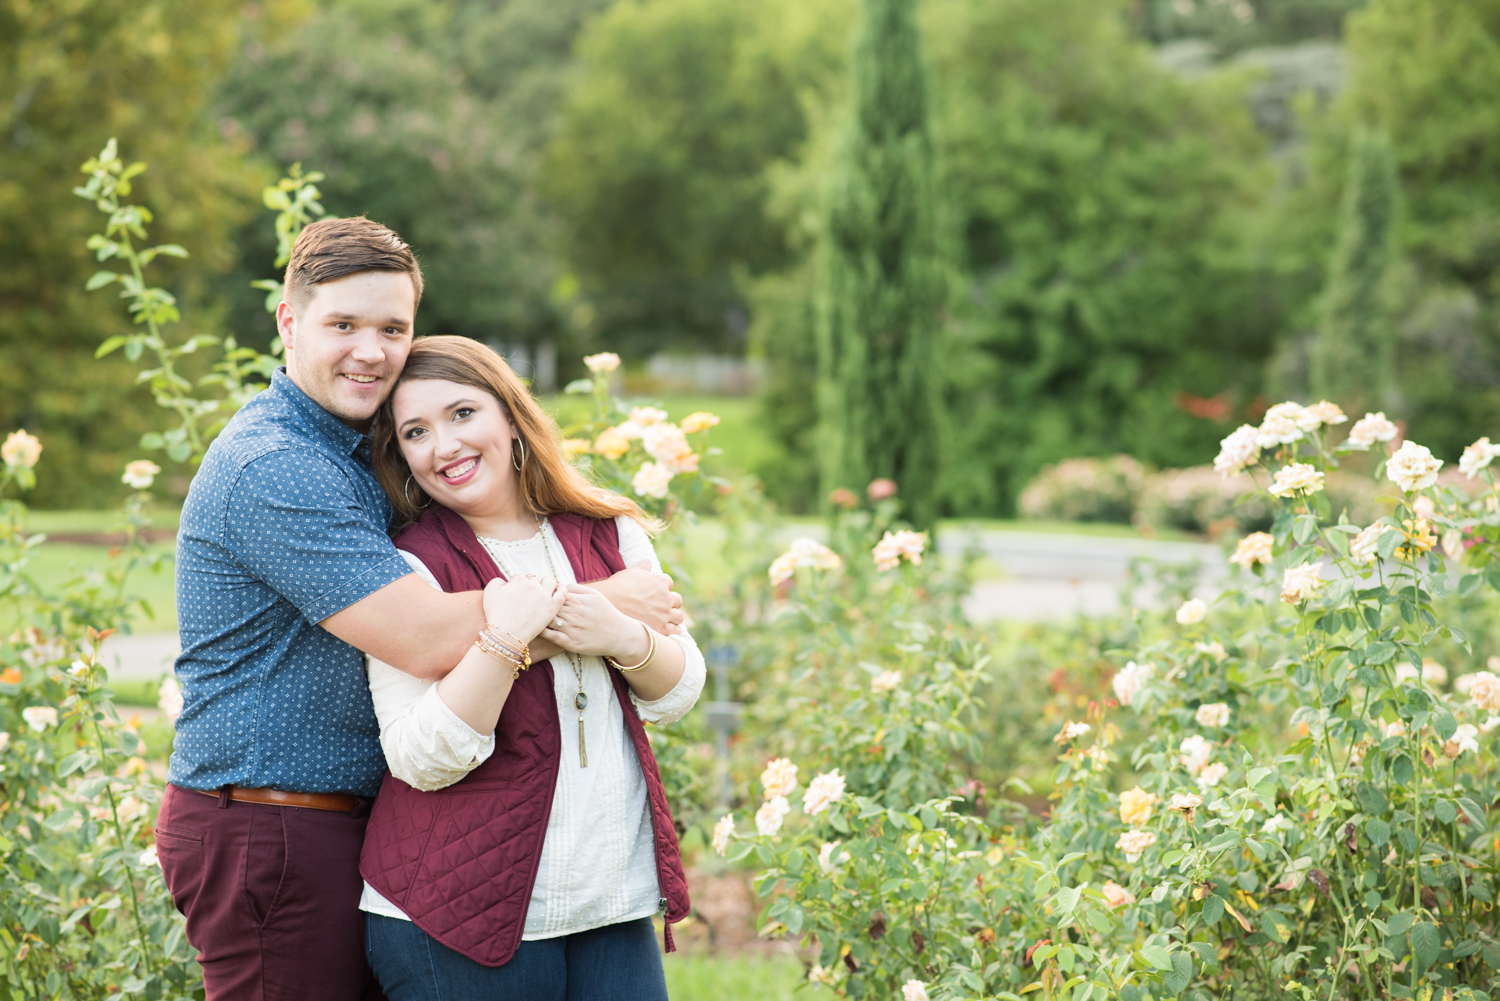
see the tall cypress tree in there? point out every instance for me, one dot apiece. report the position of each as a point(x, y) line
point(1353, 360)
point(881, 279)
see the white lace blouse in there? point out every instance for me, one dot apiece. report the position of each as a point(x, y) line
point(598, 864)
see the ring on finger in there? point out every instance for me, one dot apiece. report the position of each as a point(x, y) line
point(557, 623)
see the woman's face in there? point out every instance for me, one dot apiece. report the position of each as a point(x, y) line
point(457, 440)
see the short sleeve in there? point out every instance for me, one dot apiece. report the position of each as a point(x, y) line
point(296, 522)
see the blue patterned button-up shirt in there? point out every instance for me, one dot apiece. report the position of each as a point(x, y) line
point(284, 525)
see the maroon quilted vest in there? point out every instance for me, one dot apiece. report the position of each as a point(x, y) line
point(461, 862)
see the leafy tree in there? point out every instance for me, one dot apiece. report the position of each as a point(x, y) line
point(1354, 360)
point(881, 281)
point(1425, 72)
point(659, 167)
point(71, 75)
point(1099, 199)
point(429, 117)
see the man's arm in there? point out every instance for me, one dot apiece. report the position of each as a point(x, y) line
point(646, 596)
point(425, 632)
point(416, 628)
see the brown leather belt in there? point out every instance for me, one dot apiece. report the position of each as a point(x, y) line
point(336, 802)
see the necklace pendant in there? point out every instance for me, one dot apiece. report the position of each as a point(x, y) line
point(583, 752)
point(581, 701)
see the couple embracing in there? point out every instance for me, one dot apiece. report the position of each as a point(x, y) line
point(415, 764)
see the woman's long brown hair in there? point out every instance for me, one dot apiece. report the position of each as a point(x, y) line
point(550, 484)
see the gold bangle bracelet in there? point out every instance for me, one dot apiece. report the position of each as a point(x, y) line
point(650, 653)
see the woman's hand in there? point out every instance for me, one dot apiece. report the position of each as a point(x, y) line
point(523, 607)
point(590, 625)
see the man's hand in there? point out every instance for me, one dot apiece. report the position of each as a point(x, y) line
point(646, 596)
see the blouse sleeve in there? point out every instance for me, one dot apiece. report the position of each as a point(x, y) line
point(426, 745)
point(635, 547)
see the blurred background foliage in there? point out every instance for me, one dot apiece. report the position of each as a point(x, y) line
point(1145, 203)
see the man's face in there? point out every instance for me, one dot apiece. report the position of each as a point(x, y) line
point(347, 346)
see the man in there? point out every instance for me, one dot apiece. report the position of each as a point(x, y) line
point(285, 578)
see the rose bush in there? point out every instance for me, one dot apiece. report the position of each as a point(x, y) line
point(1304, 811)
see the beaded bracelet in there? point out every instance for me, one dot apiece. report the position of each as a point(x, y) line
point(518, 656)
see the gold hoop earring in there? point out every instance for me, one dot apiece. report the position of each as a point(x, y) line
point(406, 495)
point(522, 464)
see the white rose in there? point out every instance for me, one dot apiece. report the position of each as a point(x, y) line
point(1370, 429)
point(1195, 753)
point(770, 815)
point(140, 473)
point(1476, 457)
point(723, 831)
point(1211, 775)
point(1276, 431)
point(652, 480)
point(1301, 583)
point(1365, 546)
point(1192, 612)
point(1296, 478)
point(1413, 467)
point(1484, 691)
point(39, 717)
point(1214, 714)
point(1238, 451)
point(602, 363)
point(822, 791)
point(1129, 680)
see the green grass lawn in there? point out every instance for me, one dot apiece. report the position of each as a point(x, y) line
point(53, 564)
point(696, 977)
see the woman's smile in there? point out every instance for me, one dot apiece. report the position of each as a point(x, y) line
point(460, 472)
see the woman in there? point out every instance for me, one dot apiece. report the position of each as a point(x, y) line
point(521, 841)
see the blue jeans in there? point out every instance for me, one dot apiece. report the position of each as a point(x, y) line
point(619, 962)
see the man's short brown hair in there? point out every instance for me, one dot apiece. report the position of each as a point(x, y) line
point(336, 248)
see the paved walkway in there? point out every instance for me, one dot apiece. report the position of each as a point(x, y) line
point(1047, 577)
point(1053, 576)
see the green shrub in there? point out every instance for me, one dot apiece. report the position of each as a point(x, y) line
point(1084, 490)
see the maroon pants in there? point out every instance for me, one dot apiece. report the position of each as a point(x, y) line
point(271, 896)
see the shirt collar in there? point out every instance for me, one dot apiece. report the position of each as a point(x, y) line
point(338, 434)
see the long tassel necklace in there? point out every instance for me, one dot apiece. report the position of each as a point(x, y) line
point(581, 700)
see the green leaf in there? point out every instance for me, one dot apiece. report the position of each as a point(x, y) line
point(77, 761)
point(1213, 909)
point(1157, 957)
point(1067, 901)
point(1472, 810)
point(1469, 583)
point(578, 386)
point(1378, 831)
point(1445, 811)
point(1386, 544)
point(1445, 725)
point(109, 345)
point(1426, 943)
point(99, 279)
point(1223, 841)
point(1402, 769)
point(1182, 973)
point(1399, 924)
